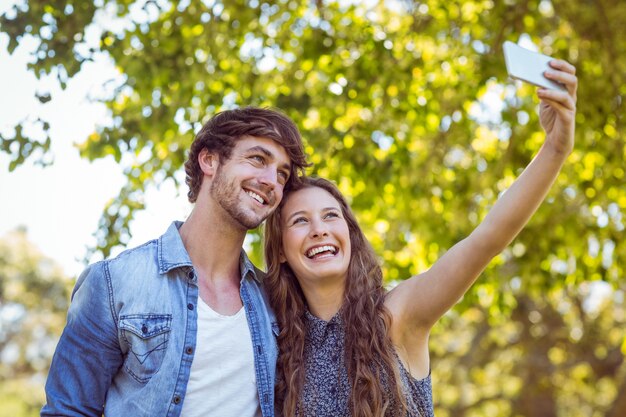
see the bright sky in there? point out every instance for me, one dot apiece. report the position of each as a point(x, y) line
point(60, 205)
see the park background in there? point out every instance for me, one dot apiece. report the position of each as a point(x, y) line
point(406, 105)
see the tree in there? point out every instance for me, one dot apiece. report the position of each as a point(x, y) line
point(405, 104)
point(34, 296)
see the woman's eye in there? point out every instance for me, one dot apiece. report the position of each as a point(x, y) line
point(299, 220)
point(331, 214)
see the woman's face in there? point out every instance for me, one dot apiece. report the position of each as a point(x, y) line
point(316, 239)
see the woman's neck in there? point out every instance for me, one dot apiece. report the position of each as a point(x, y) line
point(324, 303)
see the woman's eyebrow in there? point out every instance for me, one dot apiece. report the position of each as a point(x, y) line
point(295, 214)
point(325, 209)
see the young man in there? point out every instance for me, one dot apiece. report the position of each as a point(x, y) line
point(180, 325)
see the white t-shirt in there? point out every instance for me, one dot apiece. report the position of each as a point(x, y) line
point(222, 382)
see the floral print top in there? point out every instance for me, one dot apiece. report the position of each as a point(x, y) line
point(326, 388)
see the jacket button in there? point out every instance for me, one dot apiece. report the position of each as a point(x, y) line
point(190, 274)
point(189, 350)
point(190, 306)
point(176, 399)
point(144, 329)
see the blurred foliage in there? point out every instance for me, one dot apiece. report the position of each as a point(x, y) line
point(34, 297)
point(407, 106)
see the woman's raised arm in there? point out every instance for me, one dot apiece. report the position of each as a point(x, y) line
point(421, 300)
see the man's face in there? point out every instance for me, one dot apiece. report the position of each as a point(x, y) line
point(249, 185)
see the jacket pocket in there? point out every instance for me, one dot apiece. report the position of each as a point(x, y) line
point(146, 337)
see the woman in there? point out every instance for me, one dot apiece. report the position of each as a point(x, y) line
point(348, 347)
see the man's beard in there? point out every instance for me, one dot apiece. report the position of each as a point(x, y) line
point(227, 195)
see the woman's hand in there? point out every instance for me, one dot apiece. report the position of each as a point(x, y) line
point(558, 108)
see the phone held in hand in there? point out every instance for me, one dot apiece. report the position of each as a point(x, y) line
point(529, 66)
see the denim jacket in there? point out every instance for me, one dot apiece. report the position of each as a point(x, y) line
point(130, 336)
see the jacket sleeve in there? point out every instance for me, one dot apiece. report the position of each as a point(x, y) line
point(88, 354)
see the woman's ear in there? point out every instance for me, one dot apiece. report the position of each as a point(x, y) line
point(281, 257)
point(208, 162)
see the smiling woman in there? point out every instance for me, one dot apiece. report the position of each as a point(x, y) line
point(349, 348)
point(325, 284)
point(315, 230)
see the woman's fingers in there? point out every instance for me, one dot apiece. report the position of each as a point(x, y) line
point(563, 98)
point(565, 73)
point(563, 66)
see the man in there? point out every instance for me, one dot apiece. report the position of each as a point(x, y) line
point(180, 326)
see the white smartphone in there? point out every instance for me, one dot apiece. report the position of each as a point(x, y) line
point(529, 66)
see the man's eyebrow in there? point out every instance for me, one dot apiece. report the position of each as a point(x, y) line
point(269, 154)
point(261, 149)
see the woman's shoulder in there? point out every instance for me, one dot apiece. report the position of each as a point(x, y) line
point(419, 393)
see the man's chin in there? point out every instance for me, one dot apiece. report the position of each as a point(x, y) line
point(251, 217)
point(251, 222)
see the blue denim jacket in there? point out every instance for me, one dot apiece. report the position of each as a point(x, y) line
point(131, 330)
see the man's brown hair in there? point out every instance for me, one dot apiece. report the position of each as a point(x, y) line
point(222, 131)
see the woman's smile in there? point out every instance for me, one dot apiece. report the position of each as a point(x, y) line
point(316, 239)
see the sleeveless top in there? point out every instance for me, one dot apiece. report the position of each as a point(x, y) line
point(326, 388)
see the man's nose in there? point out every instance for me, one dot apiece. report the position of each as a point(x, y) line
point(269, 178)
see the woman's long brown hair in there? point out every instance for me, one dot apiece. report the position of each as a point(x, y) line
point(369, 353)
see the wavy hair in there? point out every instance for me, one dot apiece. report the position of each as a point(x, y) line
point(222, 131)
point(369, 354)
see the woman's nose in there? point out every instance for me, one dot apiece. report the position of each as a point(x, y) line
point(318, 229)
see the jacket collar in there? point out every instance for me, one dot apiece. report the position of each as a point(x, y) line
point(172, 254)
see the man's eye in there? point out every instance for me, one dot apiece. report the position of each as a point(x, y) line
point(283, 177)
point(257, 158)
